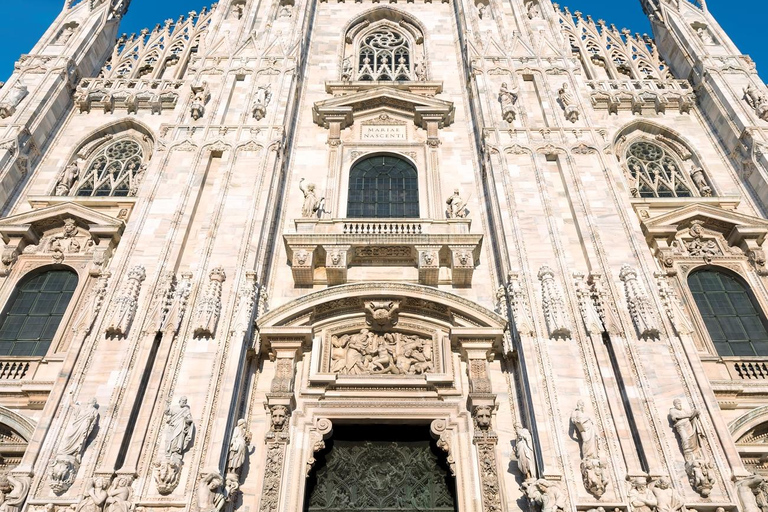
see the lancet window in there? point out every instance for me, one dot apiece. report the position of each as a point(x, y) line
point(734, 320)
point(654, 172)
point(115, 170)
point(384, 55)
point(383, 186)
point(34, 313)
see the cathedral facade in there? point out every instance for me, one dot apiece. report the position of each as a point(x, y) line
point(336, 256)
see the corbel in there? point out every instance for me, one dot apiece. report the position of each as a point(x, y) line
point(462, 265)
point(303, 264)
point(336, 263)
point(429, 264)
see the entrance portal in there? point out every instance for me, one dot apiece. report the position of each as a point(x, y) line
point(378, 468)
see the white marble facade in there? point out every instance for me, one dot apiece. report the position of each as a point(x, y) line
point(534, 310)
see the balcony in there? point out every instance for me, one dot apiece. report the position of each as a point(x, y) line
point(639, 95)
point(322, 251)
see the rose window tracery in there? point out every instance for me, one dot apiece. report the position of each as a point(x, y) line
point(655, 173)
point(384, 55)
point(114, 171)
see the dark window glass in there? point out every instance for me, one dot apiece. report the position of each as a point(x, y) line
point(733, 319)
point(383, 186)
point(31, 319)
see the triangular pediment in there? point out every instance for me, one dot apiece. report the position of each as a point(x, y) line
point(714, 218)
point(345, 108)
point(32, 224)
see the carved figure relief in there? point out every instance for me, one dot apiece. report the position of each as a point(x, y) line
point(456, 206)
point(367, 353)
point(533, 9)
point(18, 495)
point(752, 96)
point(311, 207)
point(12, 99)
point(690, 434)
point(67, 178)
point(208, 311)
point(524, 452)
point(95, 496)
point(210, 493)
point(261, 101)
point(568, 102)
point(119, 495)
point(179, 433)
point(64, 467)
point(125, 304)
point(698, 246)
point(700, 181)
point(485, 440)
point(592, 468)
point(65, 34)
point(200, 96)
point(544, 496)
point(667, 498)
point(508, 100)
point(748, 489)
point(641, 497)
point(238, 454)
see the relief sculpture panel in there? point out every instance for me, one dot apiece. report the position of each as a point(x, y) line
point(393, 353)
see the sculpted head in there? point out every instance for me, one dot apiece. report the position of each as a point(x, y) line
point(580, 405)
point(678, 403)
point(100, 483)
point(483, 416)
point(183, 401)
point(663, 483)
point(279, 416)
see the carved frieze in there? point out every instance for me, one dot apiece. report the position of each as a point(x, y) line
point(391, 353)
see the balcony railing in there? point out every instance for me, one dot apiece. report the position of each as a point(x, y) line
point(751, 370)
point(14, 370)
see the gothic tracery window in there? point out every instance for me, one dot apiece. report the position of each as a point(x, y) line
point(383, 186)
point(384, 55)
point(114, 170)
point(733, 319)
point(655, 173)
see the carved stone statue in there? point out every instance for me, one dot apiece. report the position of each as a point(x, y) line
point(119, 495)
point(705, 35)
point(69, 454)
point(697, 175)
point(367, 353)
point(260, 101)
point(641, 498)
point(311, 206)
point(544, 495)
point(752, 96)
point(279, 415)
point(179, 432)
point(420, 70)
point(456, 206)
point(533, 9)
point(19, 490)
point(346, 70)
point(667, 498)
point(8, 105)
point(65, 35)
point(586, 432)
point(747, 490)
point(507, 99)
point(382, 314)
point(524, 452)
point(689, 430)
point(483, 415)
point(200, 95)
point(238, 448)
point(593, 476)
point(67, 178)
point(568, 102)
point(210, 496)
point(95, 496)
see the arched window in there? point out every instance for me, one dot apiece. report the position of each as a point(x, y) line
point(30, 320)
point(383, 186)
point(113, 171)
point(384, 55)
point(734, 320)
point(655, 173)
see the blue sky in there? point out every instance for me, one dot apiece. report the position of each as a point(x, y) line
point(23, 22)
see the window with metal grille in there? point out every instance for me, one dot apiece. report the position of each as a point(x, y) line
point(734, 320)
point(383, 186)
point(33, 315)
point(655, 173)
point(114, 171)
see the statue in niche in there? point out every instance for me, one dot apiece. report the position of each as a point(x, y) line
point(179, 431)
point(456, 206)
point(65, 35)
point(697, 175)
point(69, 455)
point(705, 35)
point(524, 452)
point(507, 99)
point(261, 100)
point(367, 353)
point(285, 12)
point(533, 9)
point(420, 70)
point(95, 496)
point(200, 96)
point(238, 448)
point(17, 93)
point(482, 11)
point(690, 432)
point(544, 495)
point(641, 498)
point(67, 178)
point(238, 9)
point(119, 495)
point(586, 432)
point(568, 102)
point(346, 70)
point(311, 205)
point(754, 99)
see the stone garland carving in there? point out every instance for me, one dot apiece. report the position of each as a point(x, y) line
point(322, 430)
point(485, 440)
point(592, 468)
point(208, 311)
point(368, 353)
point(554, 307)
point(508, 100)
point(589, 311)
point(456, 207)
point(312, 206)
point(66, 463)
point(752, 96)
point(544, 496)
point(690, 434)
point(640, 307)
point(94, 497)
point(200, 96)
point(125, 304)
point(18, 495)
point(521, 311)
point(12, 99)
point(210, 493)
point(439, 430)
point(524, 452)
point(568, 102)
point(239, 446)
point(277, 438)
point(179, 433)
point(261, 101)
